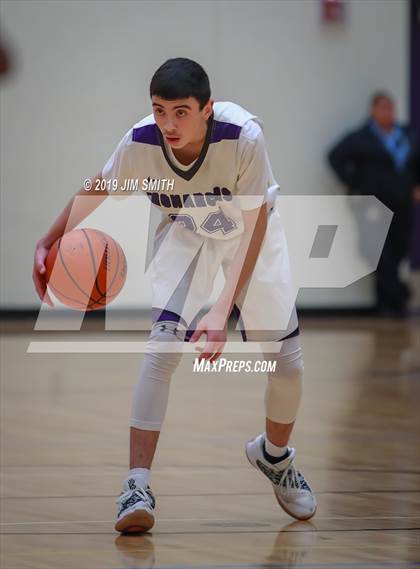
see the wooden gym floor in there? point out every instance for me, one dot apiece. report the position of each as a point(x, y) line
point(64, 452)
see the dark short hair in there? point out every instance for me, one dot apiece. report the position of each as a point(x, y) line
point(378, 95)
point(180, 78)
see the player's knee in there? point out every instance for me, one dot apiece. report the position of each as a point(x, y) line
point(164, 349)
point(163, 354)
point(284, 387)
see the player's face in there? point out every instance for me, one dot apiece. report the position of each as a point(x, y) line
point(181, 121)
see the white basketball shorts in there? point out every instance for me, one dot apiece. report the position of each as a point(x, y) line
point(184, 269)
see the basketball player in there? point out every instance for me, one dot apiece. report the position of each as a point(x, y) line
point(216, 210)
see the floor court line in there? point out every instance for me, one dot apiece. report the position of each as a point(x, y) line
point(393, 491)
point(357, 565)
point(213, 466)
point(213, 520)
point(223, 531)
point(400, 564)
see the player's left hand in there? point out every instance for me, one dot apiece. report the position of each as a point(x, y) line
point(214, 325)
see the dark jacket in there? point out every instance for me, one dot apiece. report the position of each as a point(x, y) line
point(364, 165)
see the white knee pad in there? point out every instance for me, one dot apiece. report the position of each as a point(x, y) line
point(284, 386)
point(151, 393)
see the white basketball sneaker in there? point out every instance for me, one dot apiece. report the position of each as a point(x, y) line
point(135, 508)
point(292, 491)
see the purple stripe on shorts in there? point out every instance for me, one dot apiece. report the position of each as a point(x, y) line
point(147, 134)
point(188, 335)
point(224, 131)
point(295, 332)
point(162, 315)
point(236, 313)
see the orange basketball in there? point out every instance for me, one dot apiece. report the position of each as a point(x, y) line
point(86, 269)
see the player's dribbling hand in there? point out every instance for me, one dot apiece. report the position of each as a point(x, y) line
point(39, 273)
point(214, 326)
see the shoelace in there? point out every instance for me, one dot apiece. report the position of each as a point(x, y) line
point(289, 478)
point(292, 478)
point(131, 497)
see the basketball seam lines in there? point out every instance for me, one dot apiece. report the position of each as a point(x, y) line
point(102, 295)
point(92, 257)
point(58, 293)
point(73, 280)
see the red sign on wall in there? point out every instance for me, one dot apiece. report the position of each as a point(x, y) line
point(333, 10)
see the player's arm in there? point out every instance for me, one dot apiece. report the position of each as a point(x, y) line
point(214, 322)
point(255, 178)
point(242, 266)
point(74, 213)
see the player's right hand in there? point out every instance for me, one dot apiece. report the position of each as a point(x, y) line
point(213, 325)
point(39, 273)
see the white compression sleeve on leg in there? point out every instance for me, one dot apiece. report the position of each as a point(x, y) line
point(284, 387)
point(151, 392)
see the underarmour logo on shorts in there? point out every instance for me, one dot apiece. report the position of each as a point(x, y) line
point(170, 329)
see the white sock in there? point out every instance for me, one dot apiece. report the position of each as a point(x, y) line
point(274, 450)
point(140, 475)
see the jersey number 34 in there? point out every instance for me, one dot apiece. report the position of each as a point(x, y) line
point(215, 221)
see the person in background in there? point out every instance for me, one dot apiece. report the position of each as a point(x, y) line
point(382, 159)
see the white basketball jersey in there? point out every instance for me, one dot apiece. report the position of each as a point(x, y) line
point(231, 174)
